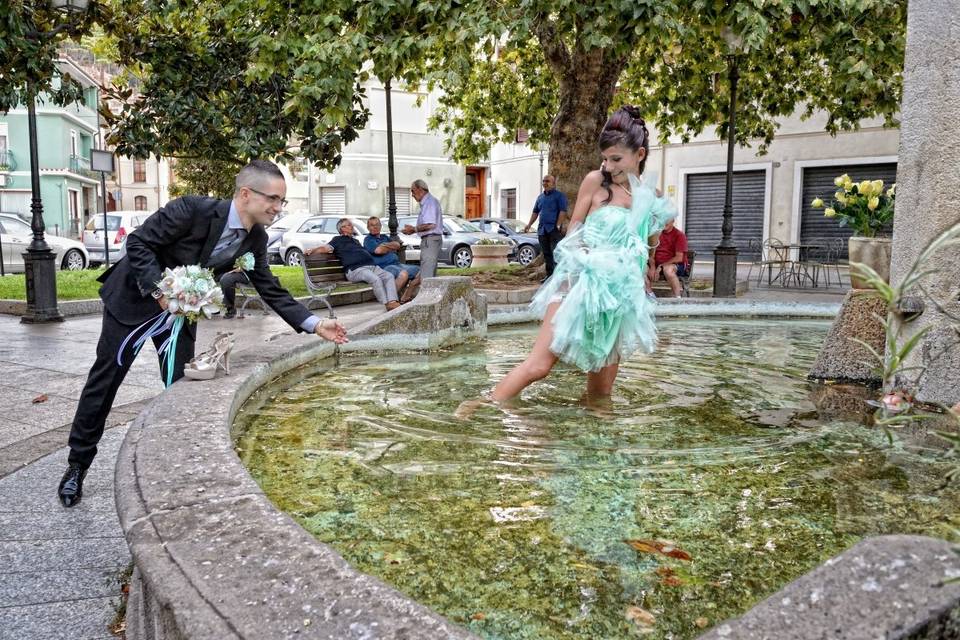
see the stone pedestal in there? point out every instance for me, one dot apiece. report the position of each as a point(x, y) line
point(928, 201)
point(872, 252)
point(446, 311)
point(843, 359)
point(486, 255)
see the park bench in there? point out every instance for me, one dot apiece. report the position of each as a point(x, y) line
point(322, 273)
point(661, 288)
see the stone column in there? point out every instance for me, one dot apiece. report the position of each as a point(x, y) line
point(928, 192)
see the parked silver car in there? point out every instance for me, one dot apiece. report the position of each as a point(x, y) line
point(313, 232)
point(458, 236)
point(16, 235)
point(119, 226)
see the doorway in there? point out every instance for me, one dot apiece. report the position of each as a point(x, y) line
point(474, 188)
point(73, 201)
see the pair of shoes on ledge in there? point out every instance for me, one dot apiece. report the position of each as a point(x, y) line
point(205, 365)
point(70, 490)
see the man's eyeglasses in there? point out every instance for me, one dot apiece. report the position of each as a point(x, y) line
point(273, 199)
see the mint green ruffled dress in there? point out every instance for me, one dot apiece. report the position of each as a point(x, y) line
point(605, 315)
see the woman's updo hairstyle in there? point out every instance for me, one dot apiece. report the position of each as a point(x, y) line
point(627, 129)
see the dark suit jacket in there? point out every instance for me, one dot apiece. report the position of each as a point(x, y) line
point(184, 232)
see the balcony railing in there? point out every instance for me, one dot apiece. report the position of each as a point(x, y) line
point(7, 161)
point(81, 165)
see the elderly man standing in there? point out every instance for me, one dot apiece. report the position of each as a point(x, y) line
point(429, 227)
point(551, 208)
point(358, 265)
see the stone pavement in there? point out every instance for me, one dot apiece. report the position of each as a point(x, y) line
point(60, 568)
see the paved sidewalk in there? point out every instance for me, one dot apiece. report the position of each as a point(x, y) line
point(60, 568)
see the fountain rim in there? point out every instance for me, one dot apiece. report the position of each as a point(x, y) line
point(195, 519)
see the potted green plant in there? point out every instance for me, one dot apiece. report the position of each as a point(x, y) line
point(867, 208)
point(490, 251)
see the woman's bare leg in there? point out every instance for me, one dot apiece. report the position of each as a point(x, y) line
point(537, 365)
point(600, 383)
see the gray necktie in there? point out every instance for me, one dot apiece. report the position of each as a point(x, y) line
point(226, 247)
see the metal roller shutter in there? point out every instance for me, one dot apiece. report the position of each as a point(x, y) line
point(333, 201)
point(818, 183)
point(401, 196)
point(703, 211)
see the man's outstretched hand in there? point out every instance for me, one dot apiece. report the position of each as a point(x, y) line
point(332, 330)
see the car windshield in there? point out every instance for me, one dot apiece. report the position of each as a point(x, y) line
point(513, 225)
point(459, 224)
point(15, 226)
point(96, 223)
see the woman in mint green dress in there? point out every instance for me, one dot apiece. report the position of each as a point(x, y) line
point(595, 309)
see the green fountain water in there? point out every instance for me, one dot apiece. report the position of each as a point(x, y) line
point(707, 483)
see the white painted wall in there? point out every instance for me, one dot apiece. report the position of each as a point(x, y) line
point(798, 143)
point(156, 187)
point(418, 154)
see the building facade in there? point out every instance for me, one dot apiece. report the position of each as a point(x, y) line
point(65, 136)
point(771, 193)
point(358, 187)
point(138, 184)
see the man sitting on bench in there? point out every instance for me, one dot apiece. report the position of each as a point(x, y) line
point(669, 260)
point(358, 265)
point(384, 252)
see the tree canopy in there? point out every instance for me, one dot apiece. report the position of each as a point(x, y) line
point(30, 34)
point(564, 65)
point(234, 79)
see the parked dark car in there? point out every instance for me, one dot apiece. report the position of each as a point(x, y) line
point(528, 247)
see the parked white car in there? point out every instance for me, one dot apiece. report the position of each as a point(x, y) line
point(119, 226)
point(278, 229)
point(16, 235)
point(313, 232)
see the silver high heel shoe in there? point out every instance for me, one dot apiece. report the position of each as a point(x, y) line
point(205, 365)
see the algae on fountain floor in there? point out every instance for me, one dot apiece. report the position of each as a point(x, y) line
point(515, 524)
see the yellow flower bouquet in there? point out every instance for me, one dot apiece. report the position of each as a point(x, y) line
point(866, 207)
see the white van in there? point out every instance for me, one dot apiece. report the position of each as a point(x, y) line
point(119, 225)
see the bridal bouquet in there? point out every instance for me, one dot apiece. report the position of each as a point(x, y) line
point(191, 292)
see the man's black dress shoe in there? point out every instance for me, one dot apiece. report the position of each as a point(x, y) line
point(71, 486)
point(229, 314)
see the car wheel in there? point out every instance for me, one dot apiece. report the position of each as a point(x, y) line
point(73, 261)
point(294, 258)
point(526, 254)
point(462, 257)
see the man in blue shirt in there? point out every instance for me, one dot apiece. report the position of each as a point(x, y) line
point(384, 252)
point(358, 264)
point(551, 208)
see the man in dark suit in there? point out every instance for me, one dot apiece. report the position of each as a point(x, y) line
point(187, 231)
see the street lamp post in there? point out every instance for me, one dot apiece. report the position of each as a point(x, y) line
point(391, 191)
point(725, 255)
point(38, 260)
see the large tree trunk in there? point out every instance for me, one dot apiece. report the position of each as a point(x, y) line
point(587, 81)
